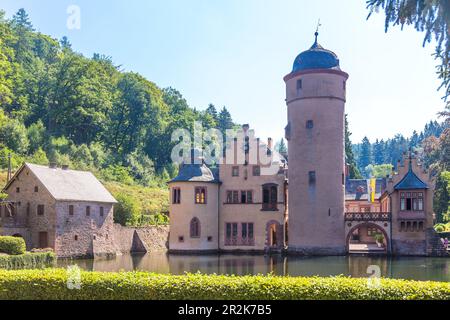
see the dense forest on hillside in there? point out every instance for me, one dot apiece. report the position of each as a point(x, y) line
point(58, 106)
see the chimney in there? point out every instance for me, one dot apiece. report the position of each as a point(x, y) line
point(269, 143)
point(52, 165)
point(65, 167)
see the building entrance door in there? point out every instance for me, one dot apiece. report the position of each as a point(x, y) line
point(43, 240)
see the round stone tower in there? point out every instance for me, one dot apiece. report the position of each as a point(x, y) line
point(315, 97)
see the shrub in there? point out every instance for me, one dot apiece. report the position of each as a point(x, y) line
point(28, 260)
point(52, 284)
point(12, 245)
point(127, 211)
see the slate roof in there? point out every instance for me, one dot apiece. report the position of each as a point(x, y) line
point(410, 181)
point(197, 173)
point(356, 189)
point(69, 185)
point(316, 57)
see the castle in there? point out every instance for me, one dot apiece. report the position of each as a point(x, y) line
point(300, 203)
point(312, 207)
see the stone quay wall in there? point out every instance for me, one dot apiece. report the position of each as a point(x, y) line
point(141, 239)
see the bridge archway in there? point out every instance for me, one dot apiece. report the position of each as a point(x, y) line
point(362, 238)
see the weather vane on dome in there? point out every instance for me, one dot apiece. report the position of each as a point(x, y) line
point(317, 29)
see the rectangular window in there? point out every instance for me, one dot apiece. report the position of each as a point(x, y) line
point(411, 201)
point(229, 196)
point(249, 196)
point(244, 231)
point(235, 171)
point(402, 204)
point(176, 195)
point(228, 231)
point(88, 211)
point(102, 211)
point(420, 204)
point(247, 234)
point(235, 196)
point(36, 189)
point(231, 234)
point(309, 124)
point(200, 195)
point(70, 210)
point(256, 171)
point(243, 196)
point(40, 210)
point(299, 86)
point(18, 190)
point(181, 239)
point(312, 178)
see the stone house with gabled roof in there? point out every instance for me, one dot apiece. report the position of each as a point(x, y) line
point(67, 210)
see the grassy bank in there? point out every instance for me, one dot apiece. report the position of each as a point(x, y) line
point(52, 284)
point(28, 260)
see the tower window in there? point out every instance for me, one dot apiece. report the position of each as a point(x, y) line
point(200, 195)
point(299, 86)
point(176, 195)
point(312, 178)
point(309, 124)
point(195, 228)
point(70, 210)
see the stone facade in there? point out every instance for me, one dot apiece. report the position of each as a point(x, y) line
point(316, 161)
point(245, 208)
point(70, 228)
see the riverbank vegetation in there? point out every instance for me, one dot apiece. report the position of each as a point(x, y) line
point(13, 255)
point(28, 260)
point(53, 284)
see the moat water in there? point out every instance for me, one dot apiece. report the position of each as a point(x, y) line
point(415, 268)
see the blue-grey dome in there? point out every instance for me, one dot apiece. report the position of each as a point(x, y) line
point(316, 58)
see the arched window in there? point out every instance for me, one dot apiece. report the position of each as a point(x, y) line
point(195, 228)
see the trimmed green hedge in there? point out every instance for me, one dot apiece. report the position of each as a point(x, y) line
point(29, 260)
point(53, 284)
point(12, 245)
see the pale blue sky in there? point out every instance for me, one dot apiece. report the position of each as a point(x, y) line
point(236, 52)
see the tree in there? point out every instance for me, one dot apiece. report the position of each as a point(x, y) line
point(354, 172)
point(378, 152)
point(225, 122)
point(366, 154)
point(127, 211)
point(212, 111)
point(281, 147)
point(433, 17)
point(21, 19)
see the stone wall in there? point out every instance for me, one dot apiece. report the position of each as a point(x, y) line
point(141, 239)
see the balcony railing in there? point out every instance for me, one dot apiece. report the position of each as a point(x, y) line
point(367, 216)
